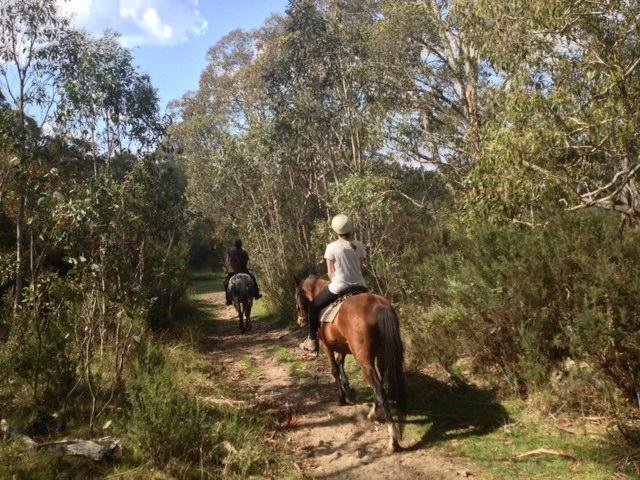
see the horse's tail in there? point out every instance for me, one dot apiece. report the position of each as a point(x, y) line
point(392, 368)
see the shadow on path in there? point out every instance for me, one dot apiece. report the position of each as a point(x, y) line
point(446, 412)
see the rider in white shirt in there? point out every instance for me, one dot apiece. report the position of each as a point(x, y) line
point(344, 259)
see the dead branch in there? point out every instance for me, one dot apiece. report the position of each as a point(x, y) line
point(588, 200)
point(96, 451)
point(545, 451)
point(543, 171)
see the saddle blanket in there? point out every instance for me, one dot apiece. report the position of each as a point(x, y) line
point(330, 312)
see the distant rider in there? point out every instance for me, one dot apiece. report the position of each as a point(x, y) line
point(344, 259)
point(236, 261)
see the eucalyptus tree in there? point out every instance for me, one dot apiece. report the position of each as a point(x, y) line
point(105, 100)
point(29, 35)
point(283, 115)
point(435, 80)
point(565, 134)
point(320, 74)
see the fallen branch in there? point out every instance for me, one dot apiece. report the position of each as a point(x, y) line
point(225, 401)
point(544, 451)
point(8, 432)
point(107, 448)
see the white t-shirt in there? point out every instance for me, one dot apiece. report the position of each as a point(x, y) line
point(347, 264)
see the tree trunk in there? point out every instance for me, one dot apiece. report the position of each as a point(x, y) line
point(19, 273)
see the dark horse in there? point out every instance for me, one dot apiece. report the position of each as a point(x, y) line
point(241, 289)
point(367, 327)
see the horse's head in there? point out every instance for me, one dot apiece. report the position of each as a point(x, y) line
point(302, 305)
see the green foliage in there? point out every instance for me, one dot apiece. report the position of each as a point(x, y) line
point(456, 143)
point(338, 106)
point(104, 99)
point(166, 423)
point(90, 259)
point(520, 302)
point(563, 106)
point(39, 356)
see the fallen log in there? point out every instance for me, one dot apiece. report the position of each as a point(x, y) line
point(8, 432)
point(95, 450)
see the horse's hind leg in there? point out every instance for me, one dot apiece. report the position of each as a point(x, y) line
point(240, 310)
point(372, 378)
point(247, 314)
point(374, 408)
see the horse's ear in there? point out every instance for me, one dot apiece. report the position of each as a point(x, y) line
point(296, 280)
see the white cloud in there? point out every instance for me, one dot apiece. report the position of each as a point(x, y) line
point(141, 22)
point(149, 22)
point(79, 10)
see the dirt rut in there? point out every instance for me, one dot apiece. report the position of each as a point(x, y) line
point(327, 440)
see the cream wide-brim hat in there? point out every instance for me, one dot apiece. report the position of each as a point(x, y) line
point(341, 224)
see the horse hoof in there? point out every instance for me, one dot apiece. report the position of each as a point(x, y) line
point(394, 446)
point(351, 396)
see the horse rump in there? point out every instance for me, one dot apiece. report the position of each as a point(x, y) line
point(241, 286)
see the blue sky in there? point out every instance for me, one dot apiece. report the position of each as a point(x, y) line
point(170, 38)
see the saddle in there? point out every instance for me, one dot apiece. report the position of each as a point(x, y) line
point(330, 312)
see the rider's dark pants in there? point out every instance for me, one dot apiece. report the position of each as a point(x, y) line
point(322, 300)
point(226, 284)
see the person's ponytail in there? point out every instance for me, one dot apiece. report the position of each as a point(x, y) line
point(349, 238)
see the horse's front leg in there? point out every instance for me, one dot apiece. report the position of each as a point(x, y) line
point(344, 380)
point(335, 371)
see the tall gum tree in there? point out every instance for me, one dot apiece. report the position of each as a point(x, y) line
point(433, 77)
point(566, 132)
point(29, 35)
point(105, 100)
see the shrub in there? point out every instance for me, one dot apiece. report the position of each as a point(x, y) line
point(166, 423)
point(522, 301)
point(175, 431)
point(38, 358)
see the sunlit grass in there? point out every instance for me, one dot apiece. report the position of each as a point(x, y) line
point(298, 368)
point(204, 282)
point(250, 366)
point(497, 452)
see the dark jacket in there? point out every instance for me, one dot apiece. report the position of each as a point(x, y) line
point(237, 260)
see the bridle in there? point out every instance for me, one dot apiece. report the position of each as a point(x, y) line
point(301, 307)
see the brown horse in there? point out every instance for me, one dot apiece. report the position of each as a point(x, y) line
point(366, 327)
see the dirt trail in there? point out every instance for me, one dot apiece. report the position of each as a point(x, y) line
point(329, 441)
